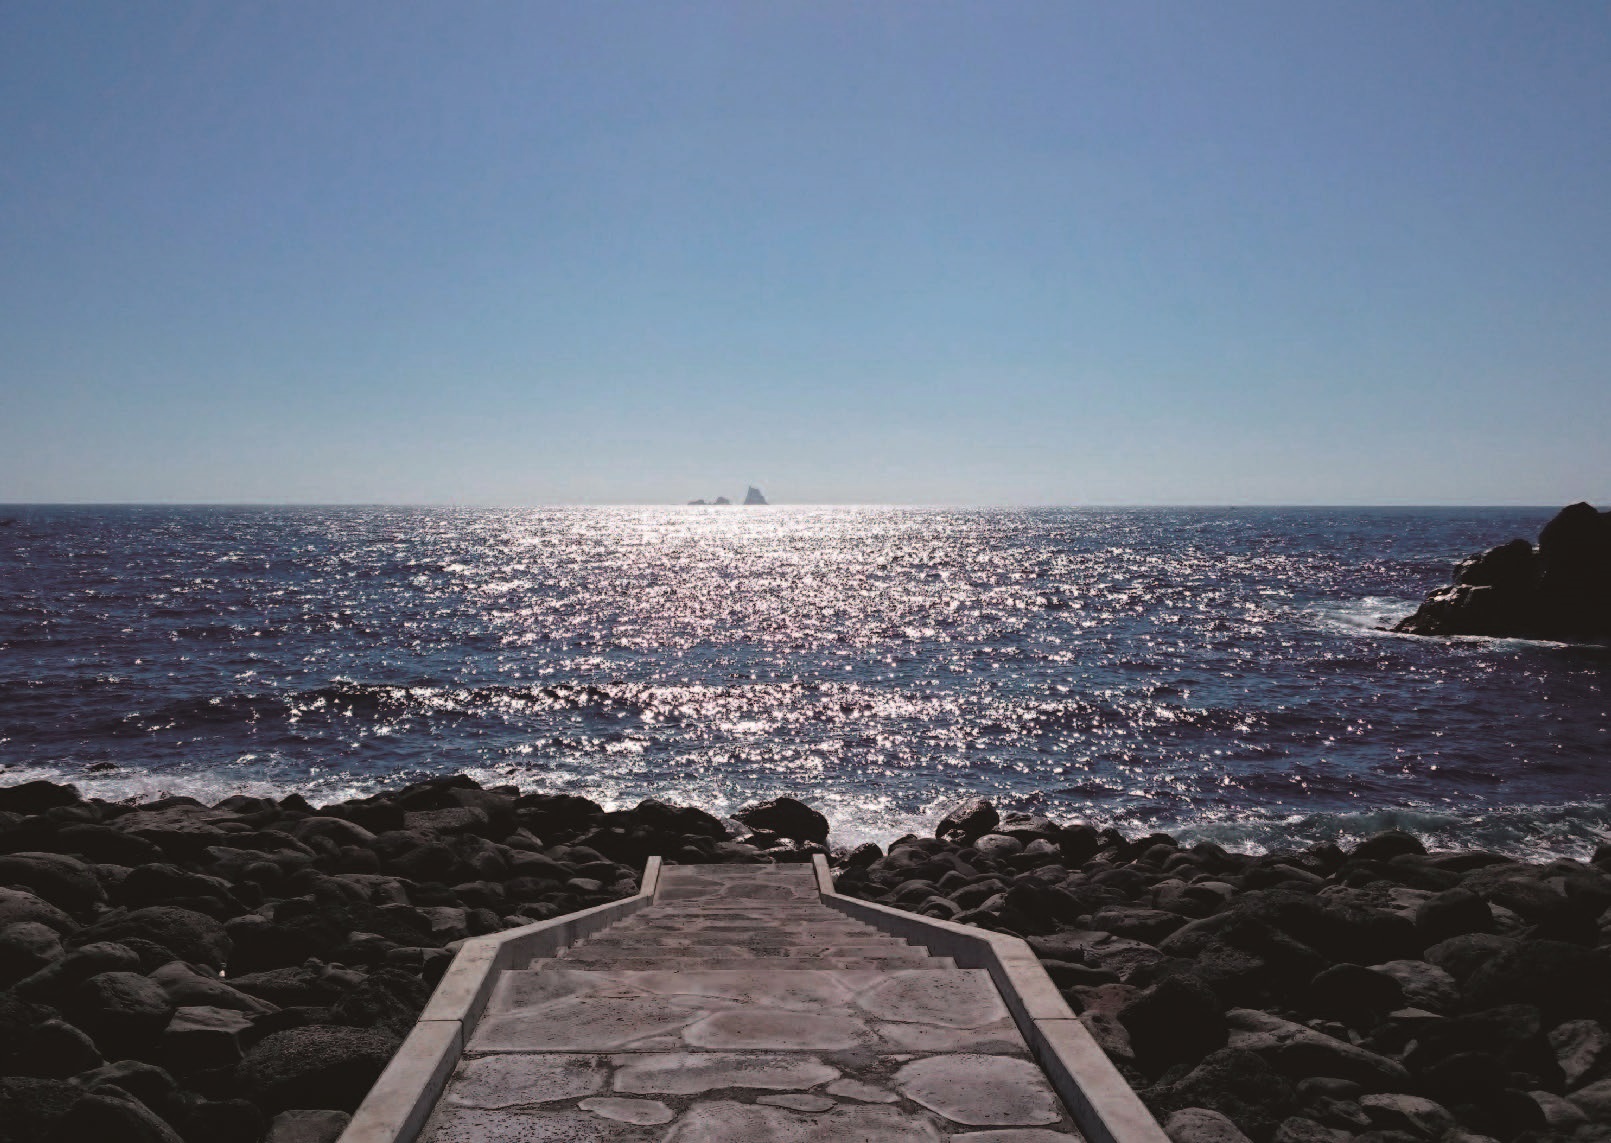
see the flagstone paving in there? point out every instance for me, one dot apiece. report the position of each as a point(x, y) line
point(737, 1008)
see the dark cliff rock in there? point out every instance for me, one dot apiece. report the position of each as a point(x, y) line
point(1560, 590)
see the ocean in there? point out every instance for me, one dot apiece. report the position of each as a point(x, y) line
point(1215, 673)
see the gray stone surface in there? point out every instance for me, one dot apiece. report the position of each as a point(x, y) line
point(640, 1111)
point(690, 1073)
point(578, 1126)
point(1200, 1125)
point(739, 1009)
point(798, 1101)
point(307, 1127)
point(861, 1092)
point(723, 1121)
point(981, 1091)
point(496, 1082)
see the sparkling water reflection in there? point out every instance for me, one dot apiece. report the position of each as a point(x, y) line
point(1213, 670)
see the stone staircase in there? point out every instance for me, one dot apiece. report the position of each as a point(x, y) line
point(737, 1007)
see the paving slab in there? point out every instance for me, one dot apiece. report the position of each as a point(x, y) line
point(725, 1013)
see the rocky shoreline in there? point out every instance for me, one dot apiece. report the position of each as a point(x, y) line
point(242, 972)
point(1559, 590)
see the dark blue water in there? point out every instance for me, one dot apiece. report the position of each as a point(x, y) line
point(1215, 672)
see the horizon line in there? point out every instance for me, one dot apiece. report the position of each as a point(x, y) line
point(1010, 506)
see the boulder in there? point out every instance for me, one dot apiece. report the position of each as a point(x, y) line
point(786, 817)
point(1564, 980)
point(65, 882)
point(1461, 956)
point(681, 821)
point(1178, 1020)
point(185, 986)
point(1423, 985)
point(1396, 1111)
point(1135, 923)
point(18, 905)
point(307, 1127)
point(104, 843)
point(1320, 1055)
point(416, 856)
point(37, 797)
point(1594, 1100)
point(1200, 1125)
point(338, 830)
point(147, 1083)
point(998, 846)
point(159, 883)
point(1354, 994)
point(387, 998)
point(1388, 844)
point(298, 987)
point(1580, 1046)
point(181, 832)
point(1465, 1077)
point(201, 1037)
point(315, 1067)
point(123, 1011)
point(1237, 1084)
point(972, 818)
point(113, 1115)
point(1575, 551)
point(25, 948)
point(31, 1108)
point(189, 935)
point(201, 1120)
point(56, 1048)
point(1562, 592)
point(1561, 1114)
point(56, 978)
point(1452, 913)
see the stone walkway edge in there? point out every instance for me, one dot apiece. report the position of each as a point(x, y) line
point(1103, 1106)
point(400, 1103)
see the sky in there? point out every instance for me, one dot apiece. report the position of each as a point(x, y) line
point(1004, 252)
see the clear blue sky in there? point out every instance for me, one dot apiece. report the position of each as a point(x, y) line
point(994, 252)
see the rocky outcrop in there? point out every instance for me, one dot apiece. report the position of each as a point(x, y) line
point(1383, 994)
point(1560, 590)
point(215, 974)
point(1380, 995)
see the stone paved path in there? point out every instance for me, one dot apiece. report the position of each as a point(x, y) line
point(739, 1009)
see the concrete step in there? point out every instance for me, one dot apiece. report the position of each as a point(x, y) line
point(746, 940)
point(740, 952)
point(745, 913)
point(707, 964)
point(656, 926)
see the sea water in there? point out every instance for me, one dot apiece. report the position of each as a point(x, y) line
point(1216, 673)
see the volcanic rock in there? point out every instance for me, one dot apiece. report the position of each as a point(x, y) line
point(315, 1067)
point(307, 1127)
point(1563, 591)
point(65, 882)
point(110, 1114)
point(36, 797)
point(189, 935)
point(972, 819)
point(786, 817)
point(18, 905)
point(1199, 1125)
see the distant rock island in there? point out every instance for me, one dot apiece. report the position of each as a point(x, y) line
point(753, 496)
point(1559, 590)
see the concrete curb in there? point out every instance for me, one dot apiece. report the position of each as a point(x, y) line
point(402, 1099)
point(1105, 1107)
